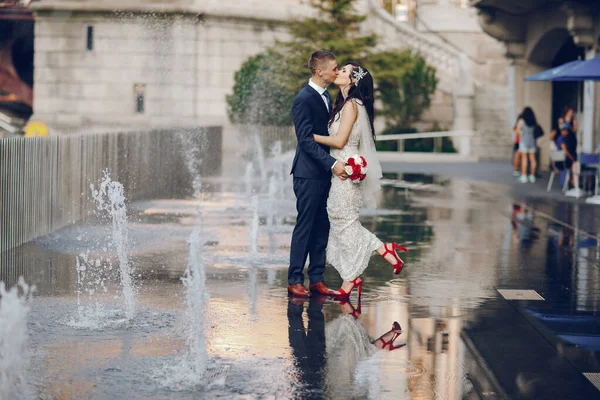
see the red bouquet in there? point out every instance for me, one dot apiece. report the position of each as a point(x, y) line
point(356, 168)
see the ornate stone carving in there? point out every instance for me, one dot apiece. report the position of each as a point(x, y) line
point(580, 23)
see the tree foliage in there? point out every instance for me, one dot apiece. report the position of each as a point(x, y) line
point(266, 84)
point(259, 96)
point(405, 84)
point(336, 28)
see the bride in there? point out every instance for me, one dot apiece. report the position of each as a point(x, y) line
point(351, 132)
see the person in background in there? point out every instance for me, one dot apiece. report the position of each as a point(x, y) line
point(527, 146)
point(516, 152)
point(569, 118)
point(567, 142)
point(555, 134)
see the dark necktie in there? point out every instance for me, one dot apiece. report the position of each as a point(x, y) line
point(326, 94)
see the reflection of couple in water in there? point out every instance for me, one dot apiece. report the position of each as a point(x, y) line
point(333, 359)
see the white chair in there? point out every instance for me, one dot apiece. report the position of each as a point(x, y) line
point(555, 157)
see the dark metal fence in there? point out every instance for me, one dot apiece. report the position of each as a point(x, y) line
point(45, 182)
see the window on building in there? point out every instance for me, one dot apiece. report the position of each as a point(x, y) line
point(90, 38)
point(139, 90)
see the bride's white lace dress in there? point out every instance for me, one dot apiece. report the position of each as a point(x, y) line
point(352, 360)
point(350, 245)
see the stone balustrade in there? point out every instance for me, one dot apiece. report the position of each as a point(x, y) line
point(395, 34)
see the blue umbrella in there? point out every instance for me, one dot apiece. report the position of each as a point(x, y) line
point(552, 73)
point(584, 71)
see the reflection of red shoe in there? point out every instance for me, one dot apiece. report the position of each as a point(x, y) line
point(344, 295)
point(355, 311)
point(399, 263)
point(397, 330)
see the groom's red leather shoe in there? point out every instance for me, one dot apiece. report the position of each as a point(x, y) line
point(322, 289)
point(298, 290)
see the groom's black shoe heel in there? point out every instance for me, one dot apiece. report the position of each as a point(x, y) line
point(356, 282)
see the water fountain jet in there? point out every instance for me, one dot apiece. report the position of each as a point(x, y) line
point(110, 198)
point(15, 305)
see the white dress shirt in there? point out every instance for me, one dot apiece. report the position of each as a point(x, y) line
point(321, 91)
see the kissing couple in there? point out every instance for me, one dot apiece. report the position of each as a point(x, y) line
point(328, 199)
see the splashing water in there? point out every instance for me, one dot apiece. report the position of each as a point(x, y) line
point(14, 359)
point(110, 198)
point(92, 274)
point(193, 145)
point(191, 371)
point(194, 281)
point(254, 226)
point(259, 156)
point(248, 179)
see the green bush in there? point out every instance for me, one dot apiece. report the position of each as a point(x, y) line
point(259, 95)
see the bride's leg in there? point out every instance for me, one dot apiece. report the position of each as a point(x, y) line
point(347, 285)
point(388, 257)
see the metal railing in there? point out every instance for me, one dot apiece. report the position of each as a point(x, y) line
point(45, 182)
point(464, 145)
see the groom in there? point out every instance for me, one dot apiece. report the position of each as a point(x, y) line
point(312, 168)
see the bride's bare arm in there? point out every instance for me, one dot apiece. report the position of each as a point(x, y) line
point(348, 118)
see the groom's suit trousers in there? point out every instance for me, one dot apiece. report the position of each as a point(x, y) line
point(311, 232)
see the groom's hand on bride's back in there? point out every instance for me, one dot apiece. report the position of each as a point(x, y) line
point(339, 170)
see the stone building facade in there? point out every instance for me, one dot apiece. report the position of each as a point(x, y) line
point(164, 64)
point(172, 63)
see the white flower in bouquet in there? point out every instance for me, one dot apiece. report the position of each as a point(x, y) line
point(363, 170)
point(348, 169)
point(357, 159)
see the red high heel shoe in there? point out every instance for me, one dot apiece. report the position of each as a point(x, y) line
point(399, 264)
point(397, 330)
point(356, 282)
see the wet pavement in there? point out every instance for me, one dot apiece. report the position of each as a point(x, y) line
point(460, 338)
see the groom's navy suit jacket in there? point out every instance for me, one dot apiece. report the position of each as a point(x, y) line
point(312, 160)
point(312, 179)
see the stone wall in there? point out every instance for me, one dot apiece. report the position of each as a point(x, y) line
point(187, 68)
point(491, 103)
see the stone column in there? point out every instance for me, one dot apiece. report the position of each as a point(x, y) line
point(516, 87)
point(589, 106)
point(538, 96)
point(580, 23)
point(464, 118)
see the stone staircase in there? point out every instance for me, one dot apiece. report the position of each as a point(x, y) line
point(393, 34)
point(452, 105)
point(461, 101)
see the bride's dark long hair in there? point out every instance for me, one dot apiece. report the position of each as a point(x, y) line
point(364, 92)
